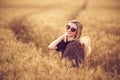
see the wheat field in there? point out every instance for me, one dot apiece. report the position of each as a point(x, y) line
point(27, 27)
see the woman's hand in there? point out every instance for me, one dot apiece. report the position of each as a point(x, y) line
point(53, 45)
point(65, 37)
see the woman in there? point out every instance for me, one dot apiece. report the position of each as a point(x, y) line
point(69, 44)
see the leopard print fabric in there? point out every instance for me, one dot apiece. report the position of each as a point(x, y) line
point(72, 50)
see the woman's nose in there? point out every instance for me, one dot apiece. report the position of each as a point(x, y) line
point(69, 30)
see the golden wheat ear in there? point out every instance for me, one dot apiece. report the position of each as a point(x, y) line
point(87, 45)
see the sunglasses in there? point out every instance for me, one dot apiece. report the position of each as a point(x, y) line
point(71, 28)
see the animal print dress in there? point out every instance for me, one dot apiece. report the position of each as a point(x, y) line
point(72, 52)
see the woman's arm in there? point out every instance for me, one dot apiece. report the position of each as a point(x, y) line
point(53, 45)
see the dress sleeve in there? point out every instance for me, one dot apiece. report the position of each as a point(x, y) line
point(60, 46)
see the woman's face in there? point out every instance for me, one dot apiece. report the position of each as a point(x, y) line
point(71, 29)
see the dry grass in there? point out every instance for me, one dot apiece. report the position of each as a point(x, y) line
point(27, 28)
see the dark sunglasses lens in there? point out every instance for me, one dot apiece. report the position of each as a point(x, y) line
point(73, 29)
point(67, 27)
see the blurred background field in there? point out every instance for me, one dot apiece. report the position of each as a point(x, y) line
point(27, 27)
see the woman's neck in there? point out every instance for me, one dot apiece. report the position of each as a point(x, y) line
point(70, 38)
